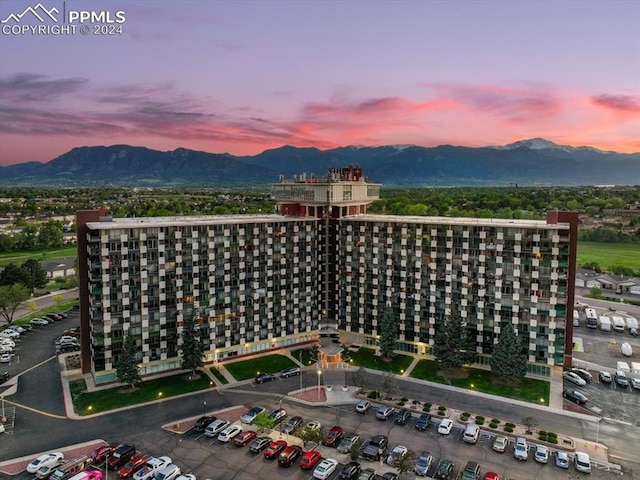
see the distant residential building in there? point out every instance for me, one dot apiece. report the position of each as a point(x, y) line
point(59, 267)
point(321, 265)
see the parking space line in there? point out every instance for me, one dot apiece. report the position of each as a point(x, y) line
point(35, 410)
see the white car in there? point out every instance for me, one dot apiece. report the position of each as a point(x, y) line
point(521, 450)
point(229, 433)
point(635, 383)
point(7, 342)
point(17, 328)
point(251, 415)
point(47, 470)
point(313, 426)
point(542, 454)
point(170, 472)
point(8, 333)
point(396, 455)
point(5, 349)
point(325, 468)
point(44, 461)
point(445, 426)
point(187, 476)
point(582, 462)
point(39, 321)
point(574, 378)
point(153, 466)
point(562, 459)
point(215, 427)
point(5, 358)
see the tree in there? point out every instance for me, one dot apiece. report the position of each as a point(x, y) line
point(388, 334)
point(11, 296)
point(359, 377)
point(36, 275)
point(595, 292)
point(406, 463)
point(50, 234)
point(307, 435)
point(508, 360)
point(529, 422)
point(388, 385)
point(192, 348)
point(354, 451)
point(127, 370)
point(453, 345)
point(13, 274)
point(263, 421)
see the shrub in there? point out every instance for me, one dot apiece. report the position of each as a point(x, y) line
point(493, 425)
point(466, 414)
point(495, 420)
point(426, 409)
point(508, 429)
point(552, 435)
point(510, 425)
point(400, 404)
point(553, 440)
point(542, 437)
point(404, 399)
point(542, 433)
point(416, 402)
point(428, 405)
point(479, 417)
point(373, 394)
point(479, 421)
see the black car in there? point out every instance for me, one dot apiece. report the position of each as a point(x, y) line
point(367, 474)
point(423, 422)
point(575, 396)
point(402, 417)
point(289, 455)
point(471, 471)
point(259, 444)
point(390, 476)
point(4, 376)
point(202, 423)
point(121, 455)
point(350, 471)
point(444, 470)
point(265, 377)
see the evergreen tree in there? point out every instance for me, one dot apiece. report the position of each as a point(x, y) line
point(35, 274)
point(192, 348)
point(11, 296)
point(508, 359)
point(127, 370)
point(388, 334)
point(406, 463)
point(453, 345)
point(13, 274)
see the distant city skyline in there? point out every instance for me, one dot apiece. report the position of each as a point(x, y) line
point(245, 76)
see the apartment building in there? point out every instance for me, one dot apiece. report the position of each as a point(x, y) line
point(321, 264)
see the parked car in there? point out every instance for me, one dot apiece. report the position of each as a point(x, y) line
point(445, 426)
point(45, 460)
point(574, 378)
point(325, 468)
point(229, 433)
point(423, 464)
point(289, 455)
point(562, 459)
point(444, 470)
point(292, 425)
point(582, 462)
point(635, 383)
point(367, 474)
point(278, 415)
point(575, 396)
point(170, 472)
point(39, 322)
point(348, 442)
point(264, 377)
point(314, 426)
point(251, 415)
point(423, 421)
point(310, 459)
point(362, 406)
point(384, 412)
point(259, 444)
point(500, 443)
point(133, 465)
point(290, 372)
point(491, 476)
point(542, 454)
point(152, 466)
point(396, 454)
point(101, 453)
point(4, 376)
point(214, 428)
point(521, 449)
point(244, 437)
point(203, 422)
point(471, 471)
point(582, 373)
point(46, 470)
point(333, 436)
point(605, 377)
point(350, 471)
point(402, 417)
point(274, 449)
point(621, 379)
point(5, 357)
point(121, 455)
point(88, 475)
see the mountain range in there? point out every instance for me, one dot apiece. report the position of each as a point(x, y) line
point(527, 162)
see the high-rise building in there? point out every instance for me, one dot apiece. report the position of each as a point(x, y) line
point(321, 264)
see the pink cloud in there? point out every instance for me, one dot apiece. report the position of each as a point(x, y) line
point(620, 103)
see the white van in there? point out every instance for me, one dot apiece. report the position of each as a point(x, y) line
point(618, 323)
point(471, 433)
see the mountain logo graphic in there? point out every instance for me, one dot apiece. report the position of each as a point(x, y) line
point(39, 11)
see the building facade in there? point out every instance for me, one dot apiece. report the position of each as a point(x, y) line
point(320, 265)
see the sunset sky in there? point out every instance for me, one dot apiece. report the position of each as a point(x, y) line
point(245, 76)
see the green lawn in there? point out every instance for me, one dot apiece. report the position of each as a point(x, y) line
point(20, 257)
point(86, 403)
point(303, 355)
point(365, 357)
point(246, 369)
point(59, 307)
point(608, 255)
point(527, 389)
point(216, 373)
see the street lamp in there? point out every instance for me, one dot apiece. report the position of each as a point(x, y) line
point(319, 375)
point(204, 408)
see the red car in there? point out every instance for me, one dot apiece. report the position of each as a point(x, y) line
point(310, 459)
point(275, 448)
point(491, 476)
point(100, 454)
point(243, 438)
point(132, 466)
point(333, 436)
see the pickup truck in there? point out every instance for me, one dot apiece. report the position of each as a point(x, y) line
point(375, 447)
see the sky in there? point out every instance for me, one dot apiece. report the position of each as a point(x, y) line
point(245, 76)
